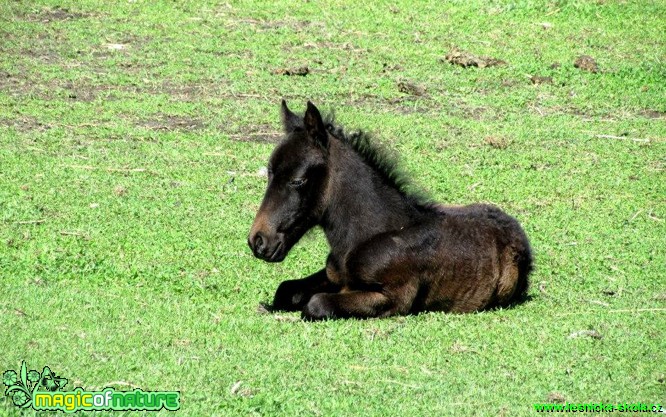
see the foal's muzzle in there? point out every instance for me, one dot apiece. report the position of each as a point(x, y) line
point(270, 249)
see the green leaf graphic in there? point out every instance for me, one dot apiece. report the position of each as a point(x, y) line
point(14, 388)
point(36, 383)
point(24, 374)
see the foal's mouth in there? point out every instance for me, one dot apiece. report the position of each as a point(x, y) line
point(277, 255)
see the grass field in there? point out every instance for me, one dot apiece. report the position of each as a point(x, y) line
point(132, 137)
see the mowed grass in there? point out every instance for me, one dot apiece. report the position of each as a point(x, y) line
point(132, 137)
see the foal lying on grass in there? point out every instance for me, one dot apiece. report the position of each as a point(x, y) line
point(390, 252)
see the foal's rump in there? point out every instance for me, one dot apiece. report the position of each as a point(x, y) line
point(460, 259)
point(486, 258)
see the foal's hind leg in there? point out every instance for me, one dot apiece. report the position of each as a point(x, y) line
point(359, 304)
point(292, 295)
point(380, 279)
point(344, 305)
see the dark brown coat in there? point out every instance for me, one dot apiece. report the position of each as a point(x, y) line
point(390, 252)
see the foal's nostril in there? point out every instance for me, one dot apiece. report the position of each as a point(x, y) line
point(258, 244)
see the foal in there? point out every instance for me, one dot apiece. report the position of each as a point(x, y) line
point(390, 252)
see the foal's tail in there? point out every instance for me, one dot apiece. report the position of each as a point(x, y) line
point(525, 267)
point(514, 281)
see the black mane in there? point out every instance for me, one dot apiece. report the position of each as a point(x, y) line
point(380, 160)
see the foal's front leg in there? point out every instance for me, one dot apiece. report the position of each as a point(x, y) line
point(294, 294)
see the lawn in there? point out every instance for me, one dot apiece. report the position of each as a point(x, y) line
point(133, 137)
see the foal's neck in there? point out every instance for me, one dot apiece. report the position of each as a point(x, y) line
point(359, 203)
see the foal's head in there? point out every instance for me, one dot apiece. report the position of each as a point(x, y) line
point(297, 174)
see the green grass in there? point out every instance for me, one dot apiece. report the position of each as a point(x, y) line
point(129, 180)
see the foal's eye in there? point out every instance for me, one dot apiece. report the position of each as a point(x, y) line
point(298, 182)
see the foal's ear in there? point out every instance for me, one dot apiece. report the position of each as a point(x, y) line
point(290, 121)
point(314, 126)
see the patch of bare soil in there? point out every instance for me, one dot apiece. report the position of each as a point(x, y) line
point(556, 397)
point(345, 46)
point(405, 104)
point(510, 82)
point(586, 63)
point(173, 123)
point(465, 59)
point(496, 142)
point(653, 114)
point(186, 92)
point(182, 92)
point(26, 85)
point(411, 88)
point(8, 81)
point(400, 105)
point(265, 25)
point(46, 47)
point(25, 124)
point(391, 67)
point(258, 134)
point(471, 112)
point(536, 79)
point(56, 14)
point(80, 92)
point(302, 71)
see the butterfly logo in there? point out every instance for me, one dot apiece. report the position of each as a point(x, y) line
point(52, 382)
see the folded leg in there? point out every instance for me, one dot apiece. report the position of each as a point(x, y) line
point(294, 294)
point(358, 304)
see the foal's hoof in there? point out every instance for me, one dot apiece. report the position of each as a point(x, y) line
point(319, 307)
point(288, 298)
point(289, 302)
